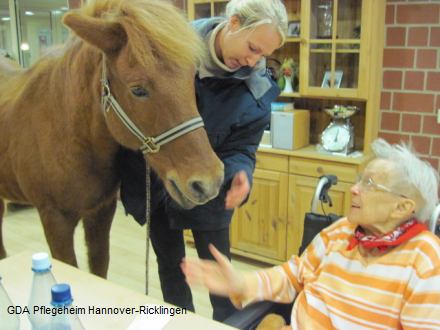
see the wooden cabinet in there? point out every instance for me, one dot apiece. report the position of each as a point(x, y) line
point(335, 42)
point(206, 8)
point(258, 228)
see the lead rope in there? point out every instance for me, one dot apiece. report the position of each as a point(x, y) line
point(147, 221)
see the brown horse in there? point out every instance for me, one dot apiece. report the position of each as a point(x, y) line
point(58, 145)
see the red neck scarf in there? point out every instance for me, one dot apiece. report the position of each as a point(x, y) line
point(402, 233)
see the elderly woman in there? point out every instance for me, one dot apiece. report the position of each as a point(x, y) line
point(378, 268)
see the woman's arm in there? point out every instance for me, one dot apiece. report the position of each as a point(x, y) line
point(220, 278)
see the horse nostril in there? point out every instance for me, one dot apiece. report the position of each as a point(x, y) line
point(197, 187)
point(203, 191)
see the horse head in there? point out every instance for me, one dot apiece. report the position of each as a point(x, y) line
point(150, 54)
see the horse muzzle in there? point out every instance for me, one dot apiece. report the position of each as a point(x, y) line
point(195, 191)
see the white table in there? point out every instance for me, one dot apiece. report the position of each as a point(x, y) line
point(90, 291)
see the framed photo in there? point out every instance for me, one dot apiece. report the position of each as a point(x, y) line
point(327, 76)
point(294, 29)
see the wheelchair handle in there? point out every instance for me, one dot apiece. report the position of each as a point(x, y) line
point(434, 219)
point(321, 191)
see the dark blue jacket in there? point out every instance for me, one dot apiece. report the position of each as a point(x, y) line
point(234, 120)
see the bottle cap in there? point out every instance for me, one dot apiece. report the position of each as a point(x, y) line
point(40, 262)
point(61, 294)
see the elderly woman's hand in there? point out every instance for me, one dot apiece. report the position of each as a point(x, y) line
point(218, 277)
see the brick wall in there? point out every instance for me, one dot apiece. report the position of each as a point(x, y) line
point(411, 76)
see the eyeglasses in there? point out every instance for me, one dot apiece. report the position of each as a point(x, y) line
point(368, 184)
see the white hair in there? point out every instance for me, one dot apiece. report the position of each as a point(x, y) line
point(413, 173)
point(253, 13)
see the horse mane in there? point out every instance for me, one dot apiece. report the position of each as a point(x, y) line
point(169, 33)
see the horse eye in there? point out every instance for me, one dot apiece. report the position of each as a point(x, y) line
point(139, 91)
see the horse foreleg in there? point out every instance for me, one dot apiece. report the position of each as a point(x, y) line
point(2, 247)
point(97, 234)
point(59, 228)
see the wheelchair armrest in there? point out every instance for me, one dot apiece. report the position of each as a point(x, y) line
point(249, 317)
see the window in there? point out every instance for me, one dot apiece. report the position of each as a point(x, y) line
point(40, 27)
point(36, 27)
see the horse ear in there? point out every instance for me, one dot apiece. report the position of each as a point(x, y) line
point(107, 36)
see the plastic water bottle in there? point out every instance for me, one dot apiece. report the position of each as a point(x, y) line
point(8, 319)
point(64, 319)
point(40, 297)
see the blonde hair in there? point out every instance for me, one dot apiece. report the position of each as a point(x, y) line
point(252, 13)
point(413, 174)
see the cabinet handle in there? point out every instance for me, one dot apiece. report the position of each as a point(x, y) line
point(320, 170)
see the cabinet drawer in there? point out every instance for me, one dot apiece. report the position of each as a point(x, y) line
point(316, 168)
point(267, 161)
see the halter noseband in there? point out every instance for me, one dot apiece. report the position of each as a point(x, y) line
point(150, 144)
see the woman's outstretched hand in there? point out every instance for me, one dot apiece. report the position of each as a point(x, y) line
point(219, 276)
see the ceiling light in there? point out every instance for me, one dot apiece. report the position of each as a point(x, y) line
point(29, 13)
point(24, 46)
point(6, 19)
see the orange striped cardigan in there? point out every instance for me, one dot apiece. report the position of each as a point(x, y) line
point(340, 289)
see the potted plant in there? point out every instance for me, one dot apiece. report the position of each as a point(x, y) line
point(288, 77)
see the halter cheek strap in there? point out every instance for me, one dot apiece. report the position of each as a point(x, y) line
point(149, 144)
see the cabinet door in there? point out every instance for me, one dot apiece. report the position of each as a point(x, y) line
point(219, 7)
point(302, 190)
point(206, 8)
point(285, 62)
point(332, 44)
point(259, 227)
